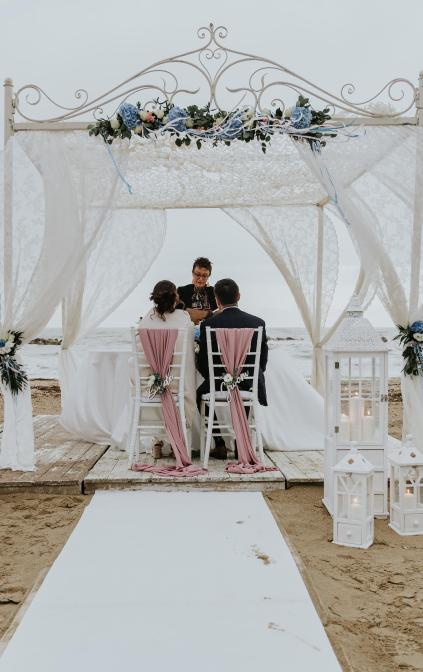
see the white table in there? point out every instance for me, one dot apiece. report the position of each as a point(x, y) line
point(97, 409)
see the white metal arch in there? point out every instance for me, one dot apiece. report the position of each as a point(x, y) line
point(220, 73)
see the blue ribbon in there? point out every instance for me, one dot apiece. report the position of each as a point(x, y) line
point(119, 172)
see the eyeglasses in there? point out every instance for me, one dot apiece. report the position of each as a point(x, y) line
point(204, 276)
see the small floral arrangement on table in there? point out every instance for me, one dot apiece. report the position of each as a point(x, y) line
point(12, 373)
point(231, 380)
point(411, 338)
point(157, 385)
point(193, 124)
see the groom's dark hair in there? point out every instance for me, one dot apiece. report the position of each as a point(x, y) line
point(226, 291)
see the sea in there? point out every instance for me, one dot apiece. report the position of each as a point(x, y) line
point(42, 360)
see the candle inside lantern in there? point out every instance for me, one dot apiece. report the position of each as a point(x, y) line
point(368, 426)
point(355, 507)
point(409, 496)
point(356, 405)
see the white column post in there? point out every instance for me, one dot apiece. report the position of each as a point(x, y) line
point(416, 238)
point(8, 202)
point(316, 377)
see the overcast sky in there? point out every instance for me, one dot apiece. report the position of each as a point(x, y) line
point(63, 46)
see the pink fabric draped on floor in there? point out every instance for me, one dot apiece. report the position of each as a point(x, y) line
point(158, 346)
point(234, 345)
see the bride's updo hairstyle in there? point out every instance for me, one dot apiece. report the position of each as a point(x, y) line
point(165, 298)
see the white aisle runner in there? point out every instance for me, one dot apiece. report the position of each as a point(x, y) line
point(182, 581)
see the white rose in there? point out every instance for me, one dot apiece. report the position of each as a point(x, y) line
point(218, 121)
point(165, 119)
point(418, 337)
point(143, 115)
point(189, 122)
point(227, 378)
point(137, 129)
point(159, 114)
point(151, 380)
point(267, 112)
point(114, 123)
point(287, 112)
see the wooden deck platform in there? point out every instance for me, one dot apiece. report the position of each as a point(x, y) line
point(111, 472)
point(300, 466)
point(65, 465)
point(62, 462)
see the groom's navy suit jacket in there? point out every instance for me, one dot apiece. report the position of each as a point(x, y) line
point(233, 318)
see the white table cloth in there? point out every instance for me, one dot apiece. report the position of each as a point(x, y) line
point(99, 412)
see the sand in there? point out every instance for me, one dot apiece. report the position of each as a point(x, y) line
point(371, 602)
point(33, 530)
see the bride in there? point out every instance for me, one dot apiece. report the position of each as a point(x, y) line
point(165, 315)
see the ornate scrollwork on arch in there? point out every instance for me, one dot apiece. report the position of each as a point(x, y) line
point(226, 79)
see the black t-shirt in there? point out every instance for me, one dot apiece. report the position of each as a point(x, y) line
point(191, 297)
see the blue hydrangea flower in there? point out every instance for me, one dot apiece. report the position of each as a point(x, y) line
point(232, 128)
point(416, 327)
point(2, 342)
point(129, 114)
point(176, 118)
point(300, 117)
point(196, 333)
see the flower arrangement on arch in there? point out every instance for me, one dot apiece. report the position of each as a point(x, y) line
point(193, 124)
point(411, 338)
point(12, 374)
point(157, 385)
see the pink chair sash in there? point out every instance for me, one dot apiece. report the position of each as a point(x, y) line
point(234, 345)
point(158, 346)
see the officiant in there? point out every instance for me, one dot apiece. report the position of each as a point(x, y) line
point(198, 297)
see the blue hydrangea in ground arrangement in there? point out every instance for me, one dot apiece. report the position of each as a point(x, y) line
point(411, 338)
point(193, 124)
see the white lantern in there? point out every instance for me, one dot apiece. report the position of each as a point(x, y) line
point(406, 489)
point(356, 395)
point(353, 515)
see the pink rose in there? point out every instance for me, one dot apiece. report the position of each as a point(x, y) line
point(149, 117)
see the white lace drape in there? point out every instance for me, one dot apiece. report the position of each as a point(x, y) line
point(44, 245)
point(304, 247)
point(382, 203)
point(126, 247)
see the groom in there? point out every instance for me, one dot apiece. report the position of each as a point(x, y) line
point(229, 316)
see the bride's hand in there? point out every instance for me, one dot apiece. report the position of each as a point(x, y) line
point(197, 315)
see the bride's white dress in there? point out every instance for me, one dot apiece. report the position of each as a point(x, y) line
point(294, 417)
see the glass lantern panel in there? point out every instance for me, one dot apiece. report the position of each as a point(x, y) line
point(420, 493)
point(360, 412)
point(342, 498)
point(395, 485)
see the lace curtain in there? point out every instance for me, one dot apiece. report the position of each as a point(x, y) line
point(125, 249)
point(45, 243)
